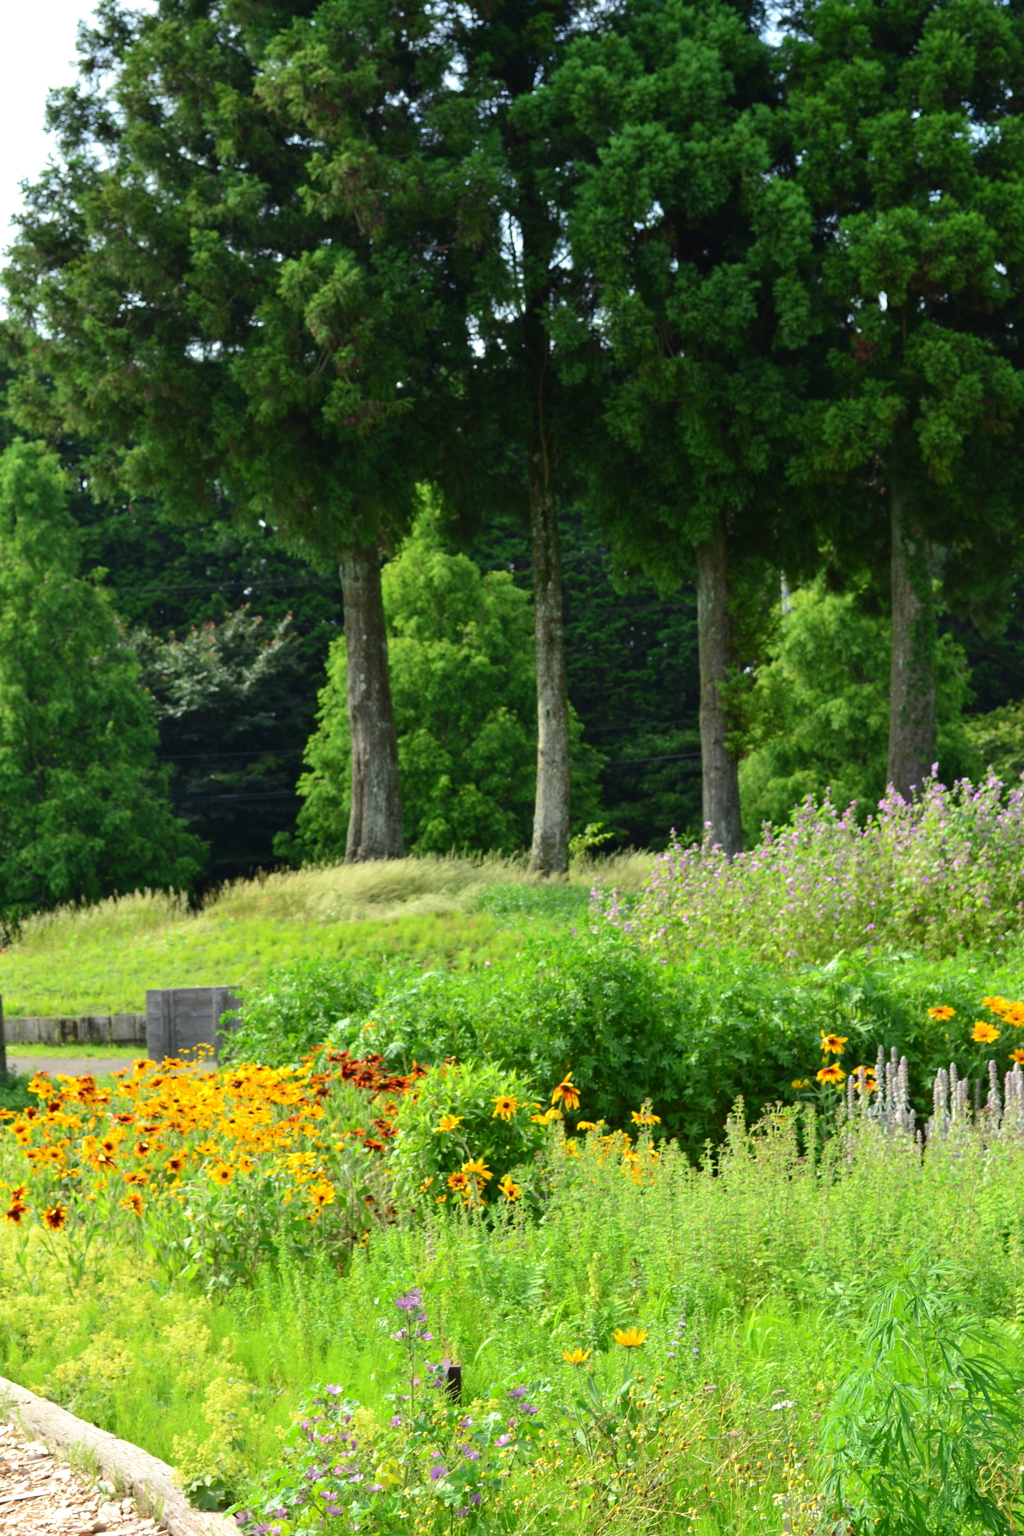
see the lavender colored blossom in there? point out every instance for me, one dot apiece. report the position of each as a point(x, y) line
point(503, 1440)
point(470, 1453)
point(410, 1301)
point(939, 871)
point(517, 1393)
point(395, 1421)
point(436, 1473)
point(476, 1498)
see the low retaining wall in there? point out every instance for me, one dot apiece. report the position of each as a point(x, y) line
point(92, 1029)
point(151, 1481)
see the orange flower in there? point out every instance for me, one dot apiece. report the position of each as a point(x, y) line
point(832, 1045)
point(576, 1356)
point(509, 1188)
point(458, 1181)
point(644, 1117)
point(943, 1013)
point(630, 1338)
point(55, 1216)
point(1017, 1055)
point(832, 1074)
point(567, 1092)
point(222, 1174)
point(985, 1034)
point(133, 1203)
point(505, 1107)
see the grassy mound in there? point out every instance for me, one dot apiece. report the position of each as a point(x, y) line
point(456, 910)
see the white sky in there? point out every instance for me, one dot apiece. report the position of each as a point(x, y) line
point(38, 47)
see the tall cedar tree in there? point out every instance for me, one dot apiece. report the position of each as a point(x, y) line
point(697, 253)
point(906, 122)
point(178, 296)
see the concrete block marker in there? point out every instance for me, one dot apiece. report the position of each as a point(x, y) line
point(180, 1019)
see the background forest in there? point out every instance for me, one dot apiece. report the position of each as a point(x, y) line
point(649, 380)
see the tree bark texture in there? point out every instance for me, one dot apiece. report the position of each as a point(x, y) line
point(912, 667)
point(720, 774)
point(375, 818)
point(549, 854)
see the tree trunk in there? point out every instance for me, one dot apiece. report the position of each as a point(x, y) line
point(549, 854)
point(714, 636)
point(912, 670)
point(375, 819)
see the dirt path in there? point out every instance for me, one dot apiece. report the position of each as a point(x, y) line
point(40, 1496)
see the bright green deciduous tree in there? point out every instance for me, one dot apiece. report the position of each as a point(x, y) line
point(463, 681)
point(83, 808)
point(818, 716)
point(907, 125)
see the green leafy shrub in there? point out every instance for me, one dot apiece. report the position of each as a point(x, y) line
point(300, 1007)
point(463, 1112)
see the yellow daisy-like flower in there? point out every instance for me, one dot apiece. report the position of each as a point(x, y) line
point(505, 1107)
point(833, 1074)
point(476, 1168)
point(1017, 1055)
point(567, 1092)
point(832, 1045)
point(222, 1173)
point(576, 1356)
point(448, 1123)
point(644, 1117)
point(55, 1217)
point(943, 1013)
point(133, 1203)
point(509, 1188)
point(800, 1082)
point(985, 1034)
point(458, 1181)
point(630, 1338)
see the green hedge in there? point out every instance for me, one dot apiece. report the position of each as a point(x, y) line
point(690, 1036)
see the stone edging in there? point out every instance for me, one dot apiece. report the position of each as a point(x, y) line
point(151, 1481)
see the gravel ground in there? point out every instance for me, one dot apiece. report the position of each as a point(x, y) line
point(40, 1496)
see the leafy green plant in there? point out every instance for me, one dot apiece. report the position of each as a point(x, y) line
point(462, 1113)
point(300, 1007)
point(922, 1438)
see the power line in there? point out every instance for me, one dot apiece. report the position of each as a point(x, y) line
point(674, 757)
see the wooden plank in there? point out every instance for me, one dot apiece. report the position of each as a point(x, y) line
point(150, 1480)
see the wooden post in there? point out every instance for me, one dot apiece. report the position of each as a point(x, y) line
point(3, 1042)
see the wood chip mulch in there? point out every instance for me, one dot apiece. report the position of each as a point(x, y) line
point(40, 1496)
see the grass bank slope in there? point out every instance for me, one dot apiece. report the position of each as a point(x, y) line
point(460, 911)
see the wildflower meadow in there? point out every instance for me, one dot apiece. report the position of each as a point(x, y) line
point(630, 1232)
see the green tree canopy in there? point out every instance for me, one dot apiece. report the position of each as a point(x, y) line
point(907, 127)
point(818, 716)
point(462, 674)
point(698, 249)
point(83, 804)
